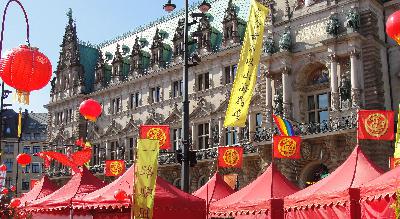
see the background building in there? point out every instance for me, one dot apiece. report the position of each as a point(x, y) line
point(33, 140)
point(322, 61)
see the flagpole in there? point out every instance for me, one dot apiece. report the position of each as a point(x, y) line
point(134, 186)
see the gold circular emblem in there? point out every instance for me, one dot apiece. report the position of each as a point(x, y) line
point(157, 134)
point(231, 157)
point(287, 147)
point(376, 124)
point(116, 167)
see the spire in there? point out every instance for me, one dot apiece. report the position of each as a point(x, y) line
point(69, 54)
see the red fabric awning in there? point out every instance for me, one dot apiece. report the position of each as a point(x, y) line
point(80, 184)
point(339, 185)
point(169, 202)
point(385, 185)
point(258, 197)
point(41, 189)
point(215, 189)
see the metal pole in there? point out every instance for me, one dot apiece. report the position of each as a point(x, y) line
point(1, 116)
point(185, 108)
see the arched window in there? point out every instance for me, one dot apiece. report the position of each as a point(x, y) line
point(318, 96)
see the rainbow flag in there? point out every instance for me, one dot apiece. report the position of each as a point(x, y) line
point(284, 126)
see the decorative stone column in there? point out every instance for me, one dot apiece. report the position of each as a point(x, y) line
point(194, 136)
point(252, 126)
point(126, 145)
point(268, 97)
point(355, 85)
point(221, 131)
point(287, 93)
point(210, 133)
point(108, 152)
point(334, 82)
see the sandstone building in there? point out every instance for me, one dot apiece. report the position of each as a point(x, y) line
point(322, 60)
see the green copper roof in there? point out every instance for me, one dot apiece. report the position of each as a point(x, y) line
point(169, 23)
point(88, 58)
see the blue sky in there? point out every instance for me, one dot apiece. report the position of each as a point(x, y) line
point(97, 21)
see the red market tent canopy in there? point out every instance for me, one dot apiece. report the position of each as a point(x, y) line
point(260, 199)
point(169, 201)
point(378, 195)
point(337, 195)
point(215, 189)
point(41, 189)
point(80, 184)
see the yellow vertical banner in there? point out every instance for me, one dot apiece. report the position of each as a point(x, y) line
point(397, 143)
point(246, 74)
point(145, 178)
point(19, 123)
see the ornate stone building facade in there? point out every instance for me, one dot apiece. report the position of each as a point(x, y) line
point(322, 61)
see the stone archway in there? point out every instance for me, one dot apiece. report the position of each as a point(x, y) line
point(312, 172)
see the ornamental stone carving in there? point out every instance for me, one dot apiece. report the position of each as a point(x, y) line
point(333, 25)
point(353, 19)
point(285, 42)
point(269, 45)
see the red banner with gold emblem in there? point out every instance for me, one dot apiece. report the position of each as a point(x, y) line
point(158, 132)
point(376, 125)
point(230, 157)
point(115, 167)
point(394, 162)
point(287, 147)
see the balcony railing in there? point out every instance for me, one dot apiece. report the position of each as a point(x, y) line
point(305, 129)
point(262, 135)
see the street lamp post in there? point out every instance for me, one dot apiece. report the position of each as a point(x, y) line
point(169, 7)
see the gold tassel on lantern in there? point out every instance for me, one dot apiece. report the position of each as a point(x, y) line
point(22, 97)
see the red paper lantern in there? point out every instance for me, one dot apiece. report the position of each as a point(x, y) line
point(24, 159)
point(120, 195)
point(15, 202)
point(13, 188)
point(4, 191)
point(3, 168)
point(393, 26)
point(25, 69)
point(90, 109)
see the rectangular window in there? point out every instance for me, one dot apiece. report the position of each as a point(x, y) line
point(231, 136)
point(230, 73)
point(177, 88)
point(116, 105)
point(135, 100)
point(318, 108)
point(155, 94)
point(35, 167)
point(203, 81)
point(26, 169)
point(113, 150)
point(35, 149)
point(27, 150)
point(9, 149)
point(258, 122)
point(9, 182)
point(203, 135)
point(176, 138)
point(96, 154)
point(25, 184)
point(9, 164)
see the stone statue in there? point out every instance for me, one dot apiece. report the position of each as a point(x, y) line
point(285, 42)
point(345, 89)
point(278, 101)
point(333, 25)
point(53, 85)
point(269, 45)
point(353, 19)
